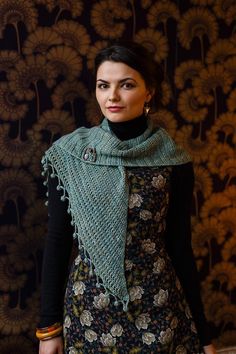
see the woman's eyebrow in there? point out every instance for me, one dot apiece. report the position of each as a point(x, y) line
point(125, 79)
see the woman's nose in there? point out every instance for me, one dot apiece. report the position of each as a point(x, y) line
point(114, 95)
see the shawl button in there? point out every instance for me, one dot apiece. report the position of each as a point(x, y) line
point(90, 154)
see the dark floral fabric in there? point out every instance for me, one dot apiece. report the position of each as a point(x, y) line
point(158, 319)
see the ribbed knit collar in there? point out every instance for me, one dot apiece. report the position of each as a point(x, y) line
point(99, 146)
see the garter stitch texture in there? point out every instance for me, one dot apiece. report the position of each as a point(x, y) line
point(90, 167)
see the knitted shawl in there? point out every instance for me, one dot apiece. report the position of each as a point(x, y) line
point(89, 164)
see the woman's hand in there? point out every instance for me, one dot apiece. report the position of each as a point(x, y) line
point(51, 346)
point(209, 349)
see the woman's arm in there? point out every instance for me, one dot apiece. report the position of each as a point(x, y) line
point(57, 251)
point(178, 242)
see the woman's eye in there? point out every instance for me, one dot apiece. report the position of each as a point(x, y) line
point(102, 86)
point(128, 85)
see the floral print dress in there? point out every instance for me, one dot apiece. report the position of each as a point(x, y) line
point(158, 319)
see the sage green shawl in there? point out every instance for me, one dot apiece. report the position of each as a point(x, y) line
point(90, 167)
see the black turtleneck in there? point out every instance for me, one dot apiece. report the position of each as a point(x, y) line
point(129, 129)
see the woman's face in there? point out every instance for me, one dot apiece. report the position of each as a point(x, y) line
point(120, 91)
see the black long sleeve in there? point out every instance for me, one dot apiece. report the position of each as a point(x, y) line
point(178, 243)
point(57, 251)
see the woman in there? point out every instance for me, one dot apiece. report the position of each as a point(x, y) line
point(124, 191)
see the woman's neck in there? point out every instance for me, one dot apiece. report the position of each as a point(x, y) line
point(129, 129)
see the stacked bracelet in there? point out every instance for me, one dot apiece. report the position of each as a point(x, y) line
point(49, 332)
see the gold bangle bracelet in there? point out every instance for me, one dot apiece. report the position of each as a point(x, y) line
point(41, 335)
point(48, 338)
point(49, 328)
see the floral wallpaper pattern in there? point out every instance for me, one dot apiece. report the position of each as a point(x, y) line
point(47, 49)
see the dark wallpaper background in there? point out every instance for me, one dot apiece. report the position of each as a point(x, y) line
point(47, 49)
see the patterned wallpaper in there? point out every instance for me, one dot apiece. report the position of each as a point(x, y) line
point(47, 49)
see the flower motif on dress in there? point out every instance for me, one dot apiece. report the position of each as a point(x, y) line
point(166, 336)
point(72, 350)
point(86, 318)
point(148, 338)
point(67, 321)
point(142, 321)
point(180, 350)
point(187, 312)
point(161, 298)
point(78, 288)
point(193, 327)
point(101, 301)
point(90, 335)
point(178, 285)
point(149, 246)
point(174, 323)
point(116, 330)
point(135, 293)
point(128, 264)
point(159, 182)
point(157, 217)
point(158, 266)
point(107, 340)
point(129, 239)
point(135, 200)
point(78, 260)
point(145, 215)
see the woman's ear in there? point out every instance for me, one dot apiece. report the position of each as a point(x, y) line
point(150, 94)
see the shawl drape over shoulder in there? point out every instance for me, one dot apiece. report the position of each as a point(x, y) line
point(90, 167)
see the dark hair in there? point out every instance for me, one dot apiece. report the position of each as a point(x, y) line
point(137, 57)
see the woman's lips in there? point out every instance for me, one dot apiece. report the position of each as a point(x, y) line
point(115, 109)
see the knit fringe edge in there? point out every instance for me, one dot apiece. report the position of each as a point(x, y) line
point(45, 173)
